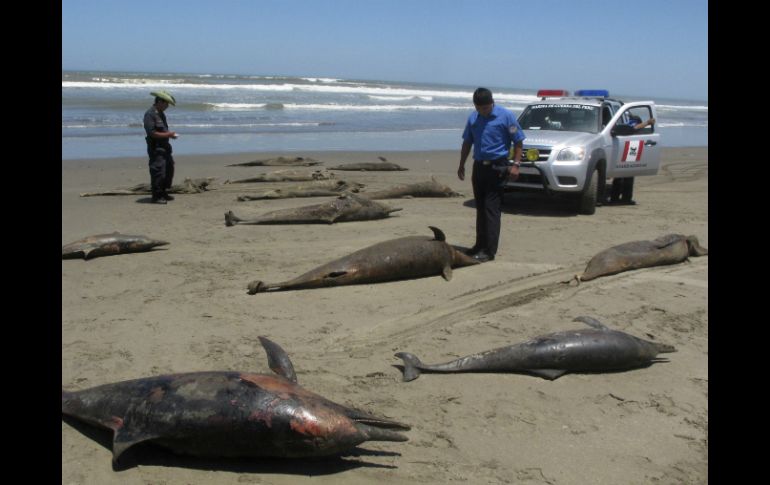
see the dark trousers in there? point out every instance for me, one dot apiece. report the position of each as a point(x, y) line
point(161, 171)
point(488, 182)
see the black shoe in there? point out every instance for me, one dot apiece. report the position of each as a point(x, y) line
point(167, 197)
point(158, 200)
point(483, 257)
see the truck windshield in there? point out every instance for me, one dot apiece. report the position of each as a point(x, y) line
point(560, 117)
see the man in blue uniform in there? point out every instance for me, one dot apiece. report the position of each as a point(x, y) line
point(158, 147)
point(490, 130)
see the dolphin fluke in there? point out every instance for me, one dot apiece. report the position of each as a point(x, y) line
point(411, 364)
point(231, 219)
point(695, 249)
point(257, 287)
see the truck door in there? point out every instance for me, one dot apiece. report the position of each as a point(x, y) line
point(638, 153)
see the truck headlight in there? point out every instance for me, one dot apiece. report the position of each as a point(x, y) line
point(571, 154)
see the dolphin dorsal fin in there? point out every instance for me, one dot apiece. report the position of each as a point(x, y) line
point(278, 360)
point(439, 235)
point(590, 321)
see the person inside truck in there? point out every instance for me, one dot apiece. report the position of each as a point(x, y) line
point(637, 122)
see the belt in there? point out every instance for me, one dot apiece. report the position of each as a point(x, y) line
point(490, 162)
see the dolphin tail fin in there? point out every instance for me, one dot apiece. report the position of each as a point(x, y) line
point(695, 249)
point(438, 233)
point(278, 360)
point(231, 219)
point(257, 286)
point(592, 322)
point(67, 398)
point(411, 365)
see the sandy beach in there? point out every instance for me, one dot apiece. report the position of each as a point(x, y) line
point(184, 307)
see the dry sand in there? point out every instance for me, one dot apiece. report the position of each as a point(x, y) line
point(185, 308)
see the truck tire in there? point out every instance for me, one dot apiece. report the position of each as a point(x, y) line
point(587, 200)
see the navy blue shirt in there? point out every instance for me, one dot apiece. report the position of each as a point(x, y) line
point(492, 135)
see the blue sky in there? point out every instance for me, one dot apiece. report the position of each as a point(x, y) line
point(656, 48)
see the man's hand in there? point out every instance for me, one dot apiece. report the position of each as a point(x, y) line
point(513, 173)
point(461, 172)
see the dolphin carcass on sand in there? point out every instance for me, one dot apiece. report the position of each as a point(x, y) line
point(406, 257)
point(668, 249)
point(596, 349)
point(108, 245)
point(345, 208)
point(228, 414)
point(320, 188)
point(430, 188)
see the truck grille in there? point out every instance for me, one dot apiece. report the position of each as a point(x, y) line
point(544, 153)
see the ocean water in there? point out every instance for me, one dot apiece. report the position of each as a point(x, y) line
point(102, 114)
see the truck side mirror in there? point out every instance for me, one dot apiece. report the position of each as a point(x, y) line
point(622, 130)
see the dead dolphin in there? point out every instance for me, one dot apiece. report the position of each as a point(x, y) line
point(280, 161)
point(107, 245)
point(228, 414)
point(320, 188)
point(402, 258)
point(430, 188)
point(285, 176)
point(372, 167)
point(596, 349)
point(668, 249)
point(189, 186)
point(345, 208)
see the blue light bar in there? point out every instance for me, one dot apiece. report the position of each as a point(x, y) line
point(601, 93)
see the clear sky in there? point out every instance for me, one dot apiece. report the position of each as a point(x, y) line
point(656, 48)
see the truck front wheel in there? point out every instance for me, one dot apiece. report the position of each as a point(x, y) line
point(587, 200)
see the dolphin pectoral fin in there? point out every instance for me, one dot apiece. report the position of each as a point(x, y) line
point(437, 233)
point(125, 439)
point(447, 272)
point(550, 374)
point(278, 360)
point(592, 322)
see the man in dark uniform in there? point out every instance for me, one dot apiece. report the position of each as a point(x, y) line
point(623, 188)
point(490, 130)
point(158, 147)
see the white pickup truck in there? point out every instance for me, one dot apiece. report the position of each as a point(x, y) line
point(576, 143)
